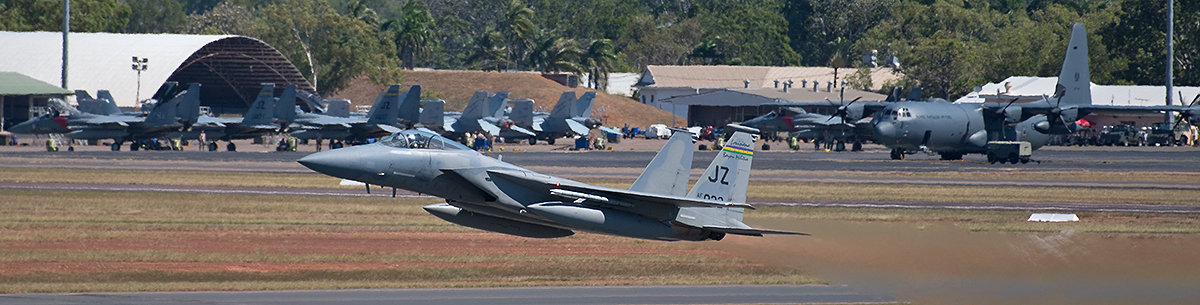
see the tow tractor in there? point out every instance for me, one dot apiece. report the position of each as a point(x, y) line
point(1008, 151)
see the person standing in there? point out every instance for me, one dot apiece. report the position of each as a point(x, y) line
point(203, 141)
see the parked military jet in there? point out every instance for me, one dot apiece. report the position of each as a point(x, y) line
point(956, 129)
point(258, 121)
point(482, 114)
point(570, 116)
point(485, 193)
point(166, 117)
point(380, 121)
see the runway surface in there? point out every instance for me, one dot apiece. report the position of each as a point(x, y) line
point(682, 294)
point(873, 160)
point(387, 192)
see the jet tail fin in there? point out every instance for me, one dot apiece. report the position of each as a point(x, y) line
point(432, 112)
point(188, 110)
point(386, 106)
point(285, 107)
point(1074, 81)
point(583, 106)
point(668, 172)
point(729, 173)
point(260, 110)
point(522, 112)
point(496, 104)
point(566, 103)
point(110, 103)
point(476, 107)
point(410, 106)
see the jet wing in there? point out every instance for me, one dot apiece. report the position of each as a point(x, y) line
point(578, 127)
point(522, 130)
point(609, 130)
point(106, 122)
point(603, 196)
point(488, 127)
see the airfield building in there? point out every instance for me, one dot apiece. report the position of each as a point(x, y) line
point(230, 68)
point(1028, 89)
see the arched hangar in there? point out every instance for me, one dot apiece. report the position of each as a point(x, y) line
point(231, 69)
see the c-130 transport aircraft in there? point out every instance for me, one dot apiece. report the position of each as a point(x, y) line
point(489, 194)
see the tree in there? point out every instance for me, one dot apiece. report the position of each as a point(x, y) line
point(489, 49)
point(413, 32)
point(224, 19)
point(552, 53)
point(155, 16)
point(598, 59)
point(519, 30)
point(941, 64)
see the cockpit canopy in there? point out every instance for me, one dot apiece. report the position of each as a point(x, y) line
point(420, 139)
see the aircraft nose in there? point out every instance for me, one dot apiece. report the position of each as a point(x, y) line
point(23, 128)
point(885, 131)
point(339, 163)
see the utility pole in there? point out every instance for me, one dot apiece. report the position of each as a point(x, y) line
point(139, 65)
point(66, 28)
point(1170, 56)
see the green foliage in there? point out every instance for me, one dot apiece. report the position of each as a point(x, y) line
point(860, 80)
point(86, 15)
point(413, 33)
point(155, 16)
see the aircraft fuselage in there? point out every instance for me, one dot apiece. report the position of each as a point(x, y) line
point(948, 128)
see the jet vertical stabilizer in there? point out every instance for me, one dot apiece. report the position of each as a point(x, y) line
point(432, 112)
point(583, 106)
point(496, 104)
point(260, 112)
point(285, 107)
point(668, 172)
point(477, 108)
point(410, 106)
point(1074, 81)
point(386, 107)
point(563, 110)
point(188, 109)
point(522, 112)
point(728, 175)
point(164, 112)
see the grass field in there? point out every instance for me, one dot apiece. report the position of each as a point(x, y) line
point(70, 241)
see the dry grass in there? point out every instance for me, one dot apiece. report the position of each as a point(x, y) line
point(456, 87)
point(996, 220)
point(1181, 177)
point(177, 177)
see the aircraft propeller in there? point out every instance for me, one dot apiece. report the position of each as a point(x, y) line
point(843, 111)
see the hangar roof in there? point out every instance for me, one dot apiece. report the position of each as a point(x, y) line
point(759, 96)
point(230, 68)
point(1032, 88)
point(13, 83)
point(759, 76)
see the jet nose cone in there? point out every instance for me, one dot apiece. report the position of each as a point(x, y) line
point(338, 163)
point(885, 131)
point(23, 128)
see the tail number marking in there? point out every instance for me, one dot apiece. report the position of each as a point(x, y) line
point(721, 171)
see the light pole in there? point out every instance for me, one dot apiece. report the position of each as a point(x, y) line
point(139, 65)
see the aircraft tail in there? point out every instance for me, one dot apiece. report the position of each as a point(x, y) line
point(1074, 81)
point(728, 175)
point(583, 106)
point(566, 103)
point(914, 94)
point(164, 112)
point(476, 108)
point(96, 106)
point(188, 109)
point(496, 104)
point(285, 107)
point(410, 106)
point(432, 112)
point(260, 110)
point(386, 107)
point(110, 103)
point(522, 112)
point(668, 172)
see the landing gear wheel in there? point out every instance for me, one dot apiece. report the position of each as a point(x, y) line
point(212, 146)
point(133, 146)
point(116, 147)
point(856, 147)
point(532, 140)
point(550, 141)
point(897, 154)
point(991, 158)
point(1012, 158)
point(231, 147)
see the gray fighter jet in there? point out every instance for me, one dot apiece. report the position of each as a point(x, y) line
point(380, 121)
point(488, 194)
point(482, 114)
point(166, 117)
point(570, 116)
point(260, 120)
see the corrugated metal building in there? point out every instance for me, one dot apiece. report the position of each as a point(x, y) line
point(658, 84)
point(724, 106)
point(21, 94)
point(230, 68)
point(1030, 88)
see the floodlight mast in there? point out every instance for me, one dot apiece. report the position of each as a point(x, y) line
point(139, 65)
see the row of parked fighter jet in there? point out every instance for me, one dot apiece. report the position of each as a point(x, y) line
point(180, 118)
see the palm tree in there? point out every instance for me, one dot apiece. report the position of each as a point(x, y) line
point(413, 32)
point(598, 59)
point(519, 29)
point(488, 48)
